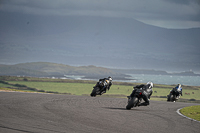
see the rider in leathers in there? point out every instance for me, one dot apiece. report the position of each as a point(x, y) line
point(179, 89)
point(108, 80)
point(147, 92)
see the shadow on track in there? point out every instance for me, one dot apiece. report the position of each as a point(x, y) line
point(112, 108)
point(16, 129)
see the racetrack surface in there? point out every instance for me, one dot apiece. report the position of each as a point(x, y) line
point(53, 113)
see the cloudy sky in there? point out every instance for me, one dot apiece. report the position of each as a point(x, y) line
point(74, 31)
point(163, 13)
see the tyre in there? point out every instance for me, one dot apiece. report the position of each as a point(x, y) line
point(129, 106)
point(95, 92)
point(135, 101)
point(168, 98)
point(132, 103)
point(173, 98)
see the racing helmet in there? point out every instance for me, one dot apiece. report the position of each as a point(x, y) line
point(109, 78)
point(150, 84)
point(179, 85)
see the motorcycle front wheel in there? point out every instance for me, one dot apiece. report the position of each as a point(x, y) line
point(132, 103)
point(95, 92)
point(173, 98)
point(168, 98)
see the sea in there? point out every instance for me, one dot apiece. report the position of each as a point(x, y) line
point(165, 79)
point(156, 79)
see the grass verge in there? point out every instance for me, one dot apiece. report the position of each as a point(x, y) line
point(192, 112)
point(84, 87)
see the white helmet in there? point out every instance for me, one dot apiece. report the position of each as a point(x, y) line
point(150, 84)
point(179, 85)
point(109, 78)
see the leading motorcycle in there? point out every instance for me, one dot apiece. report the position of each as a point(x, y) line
point(135, 100)
point(99, 88)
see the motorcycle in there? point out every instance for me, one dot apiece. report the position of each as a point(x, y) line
point(99, 88)
point(135, 100)
point(173, 95)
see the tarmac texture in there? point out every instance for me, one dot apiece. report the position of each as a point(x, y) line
point(53, 113)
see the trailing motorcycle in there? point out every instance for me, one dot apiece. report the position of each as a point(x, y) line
point(173, 95)
point(135, 100)
point(99, 88)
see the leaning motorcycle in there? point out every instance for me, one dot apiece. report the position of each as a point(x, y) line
point(99, 88)
point(173, 95)
point(135, 100)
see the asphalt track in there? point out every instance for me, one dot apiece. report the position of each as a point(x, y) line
point(48, 113)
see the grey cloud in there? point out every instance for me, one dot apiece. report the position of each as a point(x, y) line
point(184, 2)
point(143, 10)
point(64, 7)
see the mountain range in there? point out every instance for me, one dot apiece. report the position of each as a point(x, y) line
point(99, 41)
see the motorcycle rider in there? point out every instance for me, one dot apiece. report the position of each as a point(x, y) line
point(179, 89)
point(147, 92)
point(107, 87)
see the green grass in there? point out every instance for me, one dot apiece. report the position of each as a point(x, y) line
point(194, 94)
point(84, 87)
point(72, 88)
point(80, 88)
point(192, 112)
point(159, 91)
point(13, 89)
point(5, 85)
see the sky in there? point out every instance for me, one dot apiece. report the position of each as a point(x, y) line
point(66, 29)
point(173, 14)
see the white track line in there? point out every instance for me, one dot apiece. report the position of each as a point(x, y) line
point(178, 111)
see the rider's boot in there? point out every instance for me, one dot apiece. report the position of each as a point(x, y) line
point(145, 97)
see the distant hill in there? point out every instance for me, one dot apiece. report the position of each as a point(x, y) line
point(141, 71)
point(14, 71)
point(154, 72)
point(46, 69)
